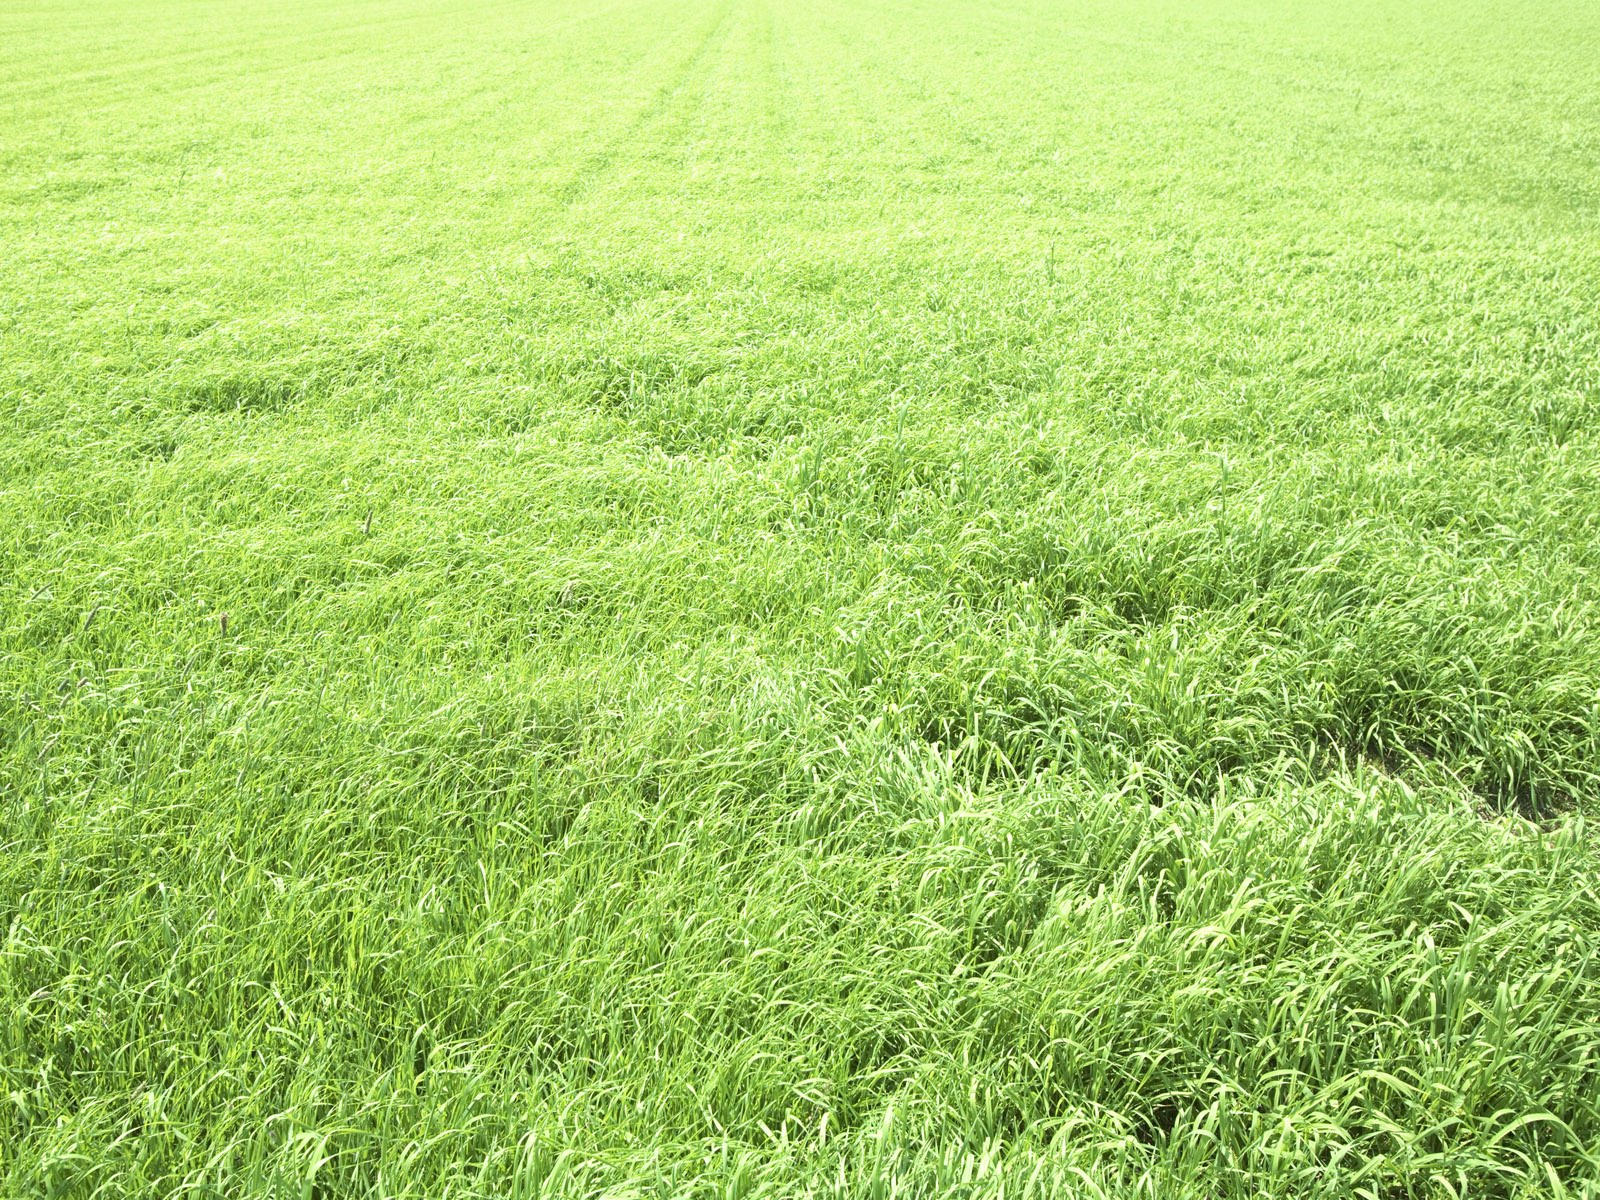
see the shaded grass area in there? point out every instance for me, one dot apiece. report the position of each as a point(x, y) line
point(729, 600)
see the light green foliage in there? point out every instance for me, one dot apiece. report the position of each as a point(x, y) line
point(862, 599)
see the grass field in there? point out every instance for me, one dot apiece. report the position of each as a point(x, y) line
point(828, 598)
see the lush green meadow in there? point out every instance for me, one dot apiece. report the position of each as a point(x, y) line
point(851, 598)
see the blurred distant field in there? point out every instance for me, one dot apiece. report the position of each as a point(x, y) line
point(861, 599)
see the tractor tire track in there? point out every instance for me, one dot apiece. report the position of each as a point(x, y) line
point(604, 160)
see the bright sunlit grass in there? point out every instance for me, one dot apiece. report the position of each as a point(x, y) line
point(849, 599)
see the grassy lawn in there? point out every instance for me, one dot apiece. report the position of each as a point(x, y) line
point(738, 598)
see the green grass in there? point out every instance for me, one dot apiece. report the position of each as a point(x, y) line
point(862, 599)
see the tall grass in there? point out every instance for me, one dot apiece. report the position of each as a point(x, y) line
point(734, 599)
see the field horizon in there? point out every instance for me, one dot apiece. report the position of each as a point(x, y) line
point(729, 599)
